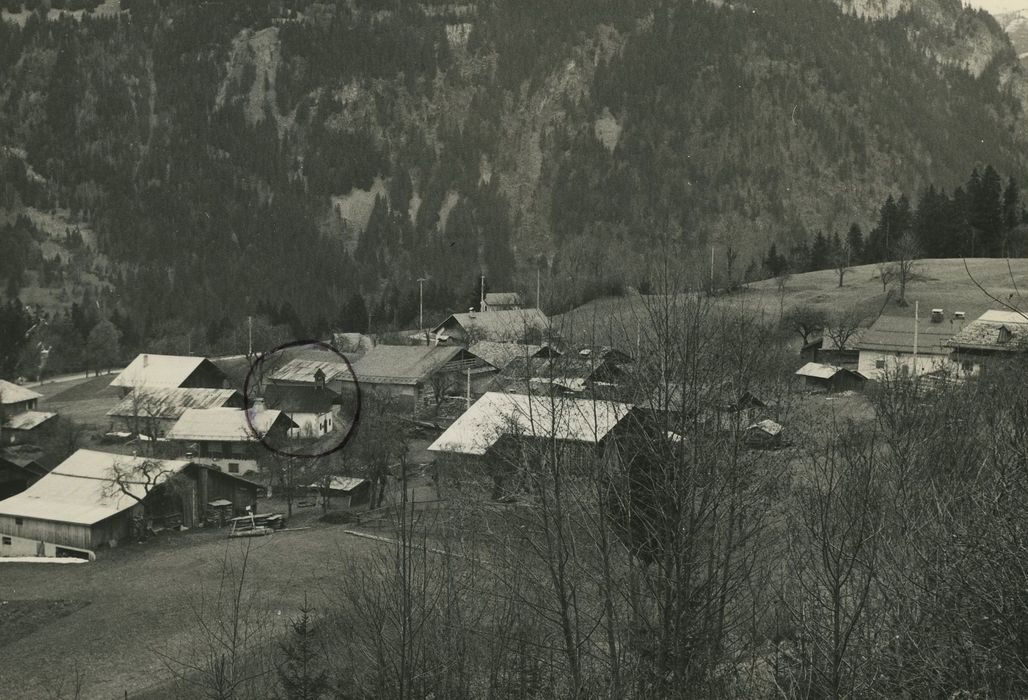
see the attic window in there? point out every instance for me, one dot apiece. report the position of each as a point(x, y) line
point(1004, 335)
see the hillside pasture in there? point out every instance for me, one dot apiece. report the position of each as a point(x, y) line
point(944, 283)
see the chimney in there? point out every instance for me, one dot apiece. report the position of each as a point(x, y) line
point(958, 315)
point(259, 405)
point(471, 311)
point(146, 360)
point(937, 316)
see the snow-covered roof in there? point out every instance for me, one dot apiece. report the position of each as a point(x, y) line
point(818, 370)
point(170, 403)
point(12, 393)
point(82, 490)
point(225, 424)
point(496, 415)
point(341, 483)
point(28, 420)
point(158, 371)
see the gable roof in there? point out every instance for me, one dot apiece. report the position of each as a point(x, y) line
point(299, 399)
point(301, 370)
point(403, 364)
point(818, 370)
point(500, 354)
point(28, 420)
point(767, 426)
point(896, 334)
point(984, 333)
point(225, 424)
point(170, 403)
point(80, 489)
point(504, 325)
point(502, 299)
point(496, 415)
point(12, 393)
point(168, 371)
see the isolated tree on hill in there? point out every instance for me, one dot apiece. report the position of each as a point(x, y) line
point(840, 256)
point(103, 346)
point(806, 320)
point(886, 275)
point(906, 254)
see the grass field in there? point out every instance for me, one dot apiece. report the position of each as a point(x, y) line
point(946, 285)
point(83, 401)
point(111, 620)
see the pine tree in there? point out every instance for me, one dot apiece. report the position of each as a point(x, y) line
point(302, 675)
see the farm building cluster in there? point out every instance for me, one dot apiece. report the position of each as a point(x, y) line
point(481, 380)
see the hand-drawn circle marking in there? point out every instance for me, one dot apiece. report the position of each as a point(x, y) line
point(247, 404)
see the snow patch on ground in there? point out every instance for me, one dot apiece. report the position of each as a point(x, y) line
point(42, 560)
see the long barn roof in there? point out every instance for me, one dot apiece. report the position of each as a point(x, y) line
point(168, 371)
point(81, 489)
point(495, 415)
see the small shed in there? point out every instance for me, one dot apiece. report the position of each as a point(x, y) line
point(830, 377)
point(765, 435)
point(343, 491)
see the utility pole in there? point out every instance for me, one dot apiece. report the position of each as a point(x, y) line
point(711, 269)
point(249, 324)
point(421, 302)
point(538, 300)
point(469, 388)
point(915, 339)
point(481, 302)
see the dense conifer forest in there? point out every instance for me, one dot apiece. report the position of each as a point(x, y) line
point(306, 162)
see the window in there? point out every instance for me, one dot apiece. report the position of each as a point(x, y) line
point(879, 364)
point(7, 540)
point(233, 467)
point(967, 365)
point(19, 521)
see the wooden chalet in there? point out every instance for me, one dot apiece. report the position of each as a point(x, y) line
point(170, 372)
point(94, 499)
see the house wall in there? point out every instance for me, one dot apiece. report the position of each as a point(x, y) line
point(224, 464)
point(69, 534)
point(873, 364)
point(313, 421)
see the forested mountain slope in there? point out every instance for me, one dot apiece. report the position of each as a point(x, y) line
point(306, 160)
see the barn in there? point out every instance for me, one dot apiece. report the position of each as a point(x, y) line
point(413, 373)
point(82, 505)
point(152, 411)
point(830, 377)
point(169, 372)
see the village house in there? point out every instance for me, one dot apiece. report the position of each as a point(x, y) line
point(497, 415)
point(94, 499)
point(888, 346)
point(170, 372)
point(20, 467)
point(315, 409)
point(224, 439)
point(306, 372)
point(500, 355)
point(993, 335)
point(516, 325)
point(18, 415)
point(501, 301)
point(152, 411)
point(417, 374)
point(830, 377)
